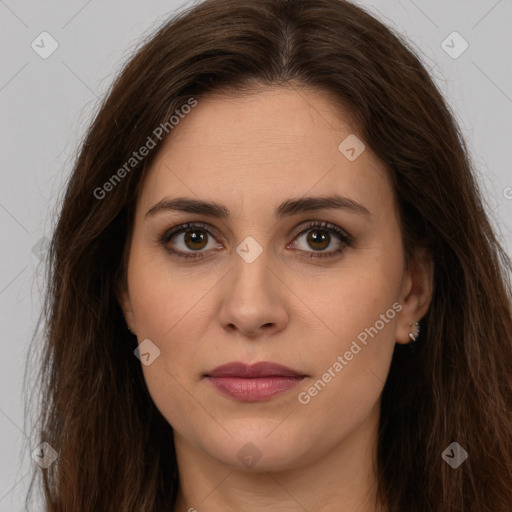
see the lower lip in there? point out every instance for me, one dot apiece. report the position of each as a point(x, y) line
point(255, 389)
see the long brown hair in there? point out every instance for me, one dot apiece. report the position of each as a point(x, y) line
point(115, 448)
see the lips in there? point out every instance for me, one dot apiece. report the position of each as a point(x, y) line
point(262, 369)
point(253, 383)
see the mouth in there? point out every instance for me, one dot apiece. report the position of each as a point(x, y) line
point(253, 383)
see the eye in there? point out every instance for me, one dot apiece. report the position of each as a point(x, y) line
point(319, 237)
point(194, 237)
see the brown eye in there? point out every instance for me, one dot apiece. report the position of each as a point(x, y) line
point(188, 240)
point(195, 240)
point(318, 239)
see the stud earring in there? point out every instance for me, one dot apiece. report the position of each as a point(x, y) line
point(413, 336)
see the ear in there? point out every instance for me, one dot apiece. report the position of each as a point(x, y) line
point(123, 298)
point(416, 294)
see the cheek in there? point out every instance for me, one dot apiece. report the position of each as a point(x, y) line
point(350, 377)
point(358, 305)
point(172, 320)
point(168, 312)
point(165, 299)
point(357, 351)
point(352, 359)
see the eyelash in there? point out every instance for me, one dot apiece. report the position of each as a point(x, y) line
point(344, 237)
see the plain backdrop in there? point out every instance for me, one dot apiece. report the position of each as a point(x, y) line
point(46, 104)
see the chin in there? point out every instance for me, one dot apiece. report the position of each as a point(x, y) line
point(257, 450)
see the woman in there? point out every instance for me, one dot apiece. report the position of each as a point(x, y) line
point(276, 201)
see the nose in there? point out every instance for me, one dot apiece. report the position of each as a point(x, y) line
point(255, 300)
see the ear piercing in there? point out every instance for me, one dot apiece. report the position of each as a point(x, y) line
point(413, 336)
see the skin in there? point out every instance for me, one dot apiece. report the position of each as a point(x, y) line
point(250, 154)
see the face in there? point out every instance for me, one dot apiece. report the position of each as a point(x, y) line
point(320, 289)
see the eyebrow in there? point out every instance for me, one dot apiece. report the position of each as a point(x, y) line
point(287, 208)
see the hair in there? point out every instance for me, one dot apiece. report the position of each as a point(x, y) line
point(115, 449)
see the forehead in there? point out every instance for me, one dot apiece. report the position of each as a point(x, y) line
point(265, 145)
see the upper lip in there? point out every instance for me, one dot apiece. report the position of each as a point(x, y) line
point(261, 369)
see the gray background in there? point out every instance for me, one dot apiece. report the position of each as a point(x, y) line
point(46, 105)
